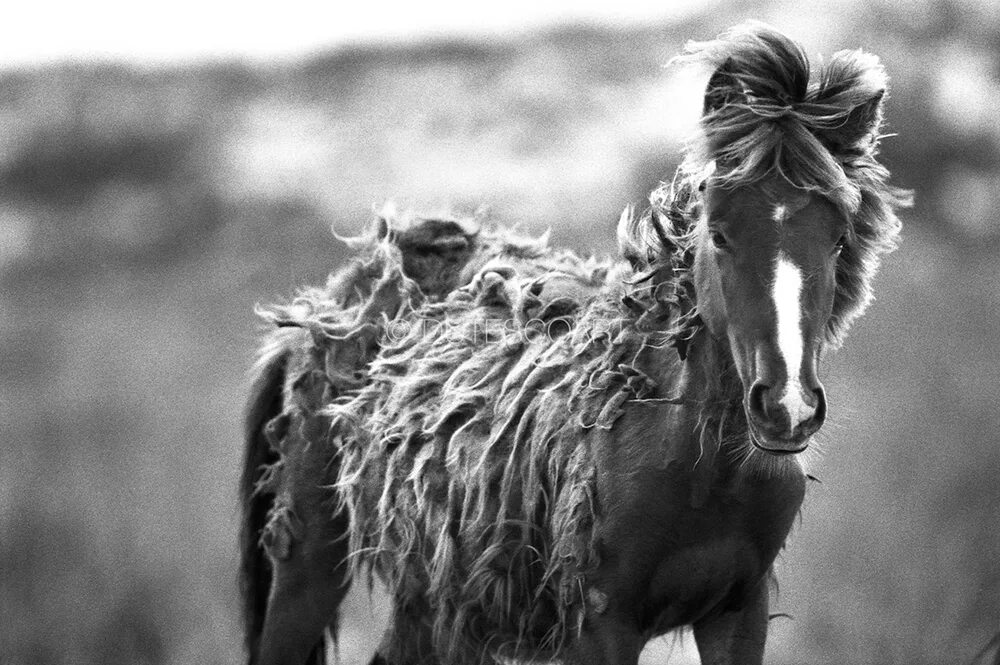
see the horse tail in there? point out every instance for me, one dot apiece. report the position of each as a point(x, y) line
point(264, 403)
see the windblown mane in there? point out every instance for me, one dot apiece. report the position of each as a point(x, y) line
point(447, 359)
point(463, 427)
point(767, 110)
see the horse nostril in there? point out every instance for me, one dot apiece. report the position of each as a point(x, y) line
point(757, 401)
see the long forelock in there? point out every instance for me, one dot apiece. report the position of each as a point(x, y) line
point(873, 232)
point(750, 144)
point(776, 113)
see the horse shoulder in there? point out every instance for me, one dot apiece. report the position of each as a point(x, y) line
point(679, 532)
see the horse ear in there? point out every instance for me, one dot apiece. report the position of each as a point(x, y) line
point(856, 82)
point(723, 88)
point(860, 128)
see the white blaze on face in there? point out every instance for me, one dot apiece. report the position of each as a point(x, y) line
point(787, 295)
point(780, 213)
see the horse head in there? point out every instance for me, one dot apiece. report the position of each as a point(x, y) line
point(765, 279)
point(788, 213)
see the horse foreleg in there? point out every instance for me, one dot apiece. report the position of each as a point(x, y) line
point(735, 636)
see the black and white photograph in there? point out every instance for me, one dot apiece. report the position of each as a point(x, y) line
point(431, 333)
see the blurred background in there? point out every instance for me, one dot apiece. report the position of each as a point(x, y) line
point(153, 189)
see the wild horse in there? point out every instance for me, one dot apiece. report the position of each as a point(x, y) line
point(547, 457)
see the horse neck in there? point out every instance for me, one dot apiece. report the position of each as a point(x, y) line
point(708, 374)
point(706, 383)
point(702, 397)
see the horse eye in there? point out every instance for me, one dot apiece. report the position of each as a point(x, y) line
point(718, 239)
point(841, 243)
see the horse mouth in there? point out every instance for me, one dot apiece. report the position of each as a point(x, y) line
point(775, 446)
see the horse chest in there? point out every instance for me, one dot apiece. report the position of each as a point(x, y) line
point(697, 577)
point(677, 561)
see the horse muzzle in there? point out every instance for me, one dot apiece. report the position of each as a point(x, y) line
point(782, 419)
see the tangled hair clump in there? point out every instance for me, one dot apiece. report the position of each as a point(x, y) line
point(449, 444)
point(466, 482)
point(768, 112)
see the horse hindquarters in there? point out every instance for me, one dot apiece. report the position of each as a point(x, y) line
point(306, 542)
point(307, 588)
point(264, 403)
point(294, 543)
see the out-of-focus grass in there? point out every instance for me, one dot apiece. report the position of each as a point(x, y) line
point(142, 213)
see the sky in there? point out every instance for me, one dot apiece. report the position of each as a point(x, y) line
point(41, 31)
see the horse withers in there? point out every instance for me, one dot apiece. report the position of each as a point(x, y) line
point(550, 457)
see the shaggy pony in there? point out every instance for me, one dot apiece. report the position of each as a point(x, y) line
point(463, 383)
